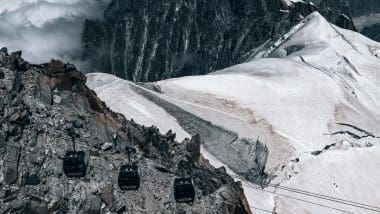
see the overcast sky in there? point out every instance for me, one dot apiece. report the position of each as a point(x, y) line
point(45, 29)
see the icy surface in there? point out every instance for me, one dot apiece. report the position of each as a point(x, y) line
point(120, 98)
point(328, 82)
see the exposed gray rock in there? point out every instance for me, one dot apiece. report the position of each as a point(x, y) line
point(31, 179)
point(78, 123)
point(34, 136)
point(107, 194)
point(11, 162)
point(57, 99)
point(53, 205)
point(93, 205)
point(106, 146)
point(337, 12)
point(364, 7)
point(372, 32)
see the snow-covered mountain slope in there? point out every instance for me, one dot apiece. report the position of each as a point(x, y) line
point(119, 96)
point(316, 107)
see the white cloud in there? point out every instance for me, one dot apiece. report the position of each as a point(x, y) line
point(46, 29)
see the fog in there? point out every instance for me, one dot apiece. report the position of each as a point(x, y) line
point(46, 29)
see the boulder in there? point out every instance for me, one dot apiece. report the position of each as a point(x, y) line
point(11, 164)
point(78, 123)
point(93, 204)
point(37, 207)
point(56, 66)
point(53, 205)
point(14, 117)
point(194, 147)
point(107, 194)
point(32, 180)
point(57, 99)
point(106, 146)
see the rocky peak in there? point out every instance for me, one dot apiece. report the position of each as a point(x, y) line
point(47, 108)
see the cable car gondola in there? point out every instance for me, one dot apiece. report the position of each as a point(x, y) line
point(75, 164)
point(129, 175)
point(184, 191)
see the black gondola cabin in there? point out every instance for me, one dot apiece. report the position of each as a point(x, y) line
point(75, 164)
point(184, 191)
point(129, 177)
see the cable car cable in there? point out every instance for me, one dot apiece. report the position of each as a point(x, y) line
point(320, 196)
point(342, 201)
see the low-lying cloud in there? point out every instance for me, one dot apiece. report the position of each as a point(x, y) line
point(46, 29)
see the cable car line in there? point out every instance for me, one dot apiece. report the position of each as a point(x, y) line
point(320, 196)
point(343, 201)
point(288, 196)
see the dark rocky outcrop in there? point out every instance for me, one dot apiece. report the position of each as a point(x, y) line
point(364, 7)
point(36, 131)
point(148, 40)
point(372, 32)
point(337, 12)
point(365, 13)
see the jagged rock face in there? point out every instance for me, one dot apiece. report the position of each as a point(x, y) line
point(337, 12)
point(365, 13)
point(44, 108)
point(372, 32)
point(364, 7)
point(357, 7)
point(153, 40)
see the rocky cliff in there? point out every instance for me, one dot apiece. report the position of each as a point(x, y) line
point(153, 40)
point(366, 15)
point(364, 7)
point(337, 12)
point(372, 32)
point(44, 108)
